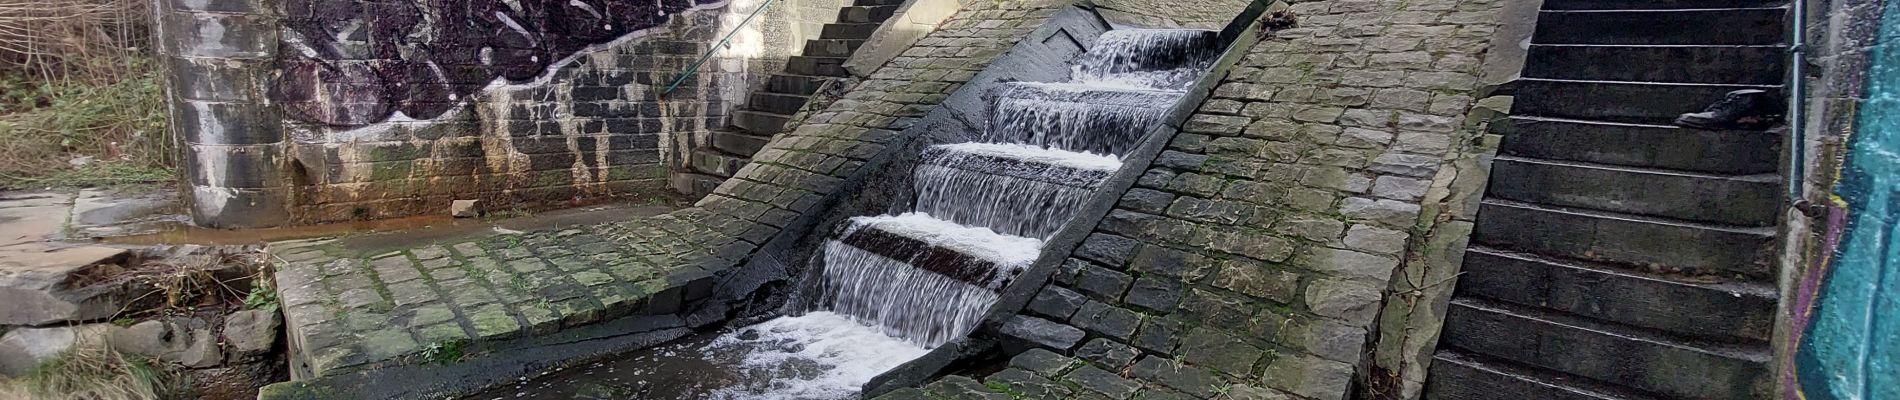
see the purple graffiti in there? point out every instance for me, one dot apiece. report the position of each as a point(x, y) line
point(359, 62)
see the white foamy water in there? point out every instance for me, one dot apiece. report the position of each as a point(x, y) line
point(819, 355)
point(974, 241)
point(908, 303)
point(1071, 159)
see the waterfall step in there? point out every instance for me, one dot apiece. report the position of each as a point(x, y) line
point(1625, 356)
point(1742, 200)
point(1061, 167)
point(1155, 58)
point(1638, 145)
point(977, 256)
point(1701, 307)
point(1635, 241)
point(1754, 65)
point(1721, 26)
point(1091, 118)
point(1629, 102)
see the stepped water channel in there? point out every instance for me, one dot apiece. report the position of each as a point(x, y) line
point(893, 286)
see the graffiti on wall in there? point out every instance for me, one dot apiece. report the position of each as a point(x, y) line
point(1846, 319)
point(354, 62)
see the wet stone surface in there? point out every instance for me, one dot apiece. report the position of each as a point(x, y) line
point(351, 308)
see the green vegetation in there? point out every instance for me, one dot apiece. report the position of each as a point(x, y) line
point(81, 102)
point(444, 353)
point(91, 373)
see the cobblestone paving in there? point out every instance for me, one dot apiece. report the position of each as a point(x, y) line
point(349, 310)
point(1250, 260)
point(352, 311)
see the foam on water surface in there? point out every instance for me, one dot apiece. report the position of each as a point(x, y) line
point(819, 355)
point(1071, 159)
point(976, 242)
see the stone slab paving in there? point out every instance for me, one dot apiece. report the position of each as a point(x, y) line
point(350, 309)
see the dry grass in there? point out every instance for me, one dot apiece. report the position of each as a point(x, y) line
point(80, 102)
point(91, 373)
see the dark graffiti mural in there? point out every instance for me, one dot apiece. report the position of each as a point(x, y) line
point(358, 62)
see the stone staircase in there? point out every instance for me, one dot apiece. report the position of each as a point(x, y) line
point(768, 108)
point(1616, 256)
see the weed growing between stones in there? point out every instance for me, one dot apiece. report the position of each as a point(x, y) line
point(445, 353)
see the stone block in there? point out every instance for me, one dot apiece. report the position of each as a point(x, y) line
point(1107, 353)
point(1355, 302)
point(1042, 332)
point(1106, 320)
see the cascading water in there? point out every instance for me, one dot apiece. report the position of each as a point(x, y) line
point(894, 286)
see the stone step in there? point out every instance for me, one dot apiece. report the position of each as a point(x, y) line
point(1722, 26)
point(1636, 145)
point(865, 14)
point(794, 84)
point(878, 3)
point(1654, 244)
point(980, 257)
point(1614, 101)
point(1750, 65)
point(995, 185)
point(713, 162)
point(831, 47)
point(759, 123)
point(1737, 311)
point(848, 31)
point(695, 185)
point(776, 103)
point(1624, 356)
point(1458, 375)
point(816, 66)
point(1742, 200)
point(1059, 167)
point(1076, 117)
point(739, 143)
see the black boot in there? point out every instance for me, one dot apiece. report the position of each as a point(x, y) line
point(1746, 109)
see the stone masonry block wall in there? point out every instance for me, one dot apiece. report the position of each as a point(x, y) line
point(1254, 255)
point(394, 107)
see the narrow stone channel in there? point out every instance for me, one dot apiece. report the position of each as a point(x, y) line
point(894, 286)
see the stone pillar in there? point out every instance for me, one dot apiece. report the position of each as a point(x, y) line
point(219, 54)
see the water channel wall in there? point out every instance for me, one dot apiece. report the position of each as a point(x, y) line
point(305, 111)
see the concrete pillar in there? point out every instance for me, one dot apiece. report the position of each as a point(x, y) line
point(219, 55)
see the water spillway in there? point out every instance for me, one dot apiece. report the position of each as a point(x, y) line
point(887, 288)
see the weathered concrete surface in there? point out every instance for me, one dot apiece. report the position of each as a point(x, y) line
point(39, 277)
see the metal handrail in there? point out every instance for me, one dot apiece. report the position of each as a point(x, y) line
point(1797, 100)
point(690, 70)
